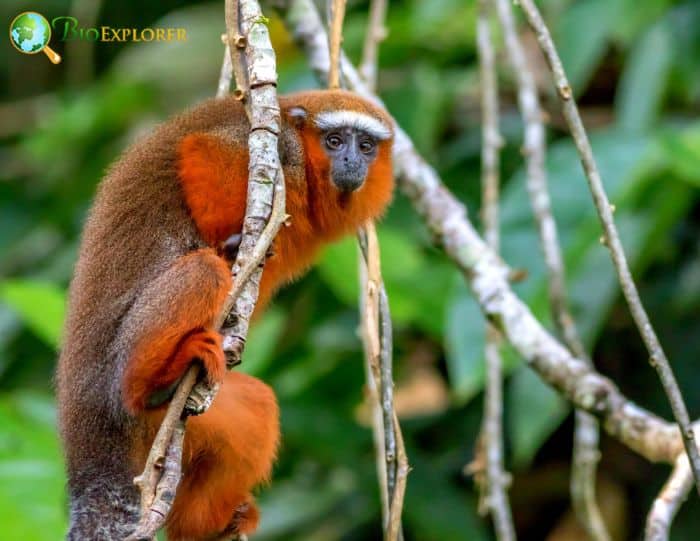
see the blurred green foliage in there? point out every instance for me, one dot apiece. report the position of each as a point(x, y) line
point(636, 72)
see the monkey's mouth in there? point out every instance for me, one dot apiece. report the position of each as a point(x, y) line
point(347, 182)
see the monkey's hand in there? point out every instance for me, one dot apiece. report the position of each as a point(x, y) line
point(171, 327)
point(229, 248)
point(201, 347)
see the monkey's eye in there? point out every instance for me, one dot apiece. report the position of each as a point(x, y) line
point(334, 141)
point(366, 146)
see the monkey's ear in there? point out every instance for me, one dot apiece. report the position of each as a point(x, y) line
point(297, 115)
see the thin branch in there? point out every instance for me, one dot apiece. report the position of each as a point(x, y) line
point(264, 216)
point(393, 440)
point(612, 239)
point(371, 344)
point(226, 74)
point(586, 436)
point(378, 342)
point(393, 453)
point(394, 530)
point(669, 500)
point(336, 36)
point(235, 46)
point(642, 431)
point(161, 474)
point(496, 479)
point(376, 32)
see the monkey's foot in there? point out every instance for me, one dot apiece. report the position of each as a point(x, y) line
point(204, 347)
point(244, 520)
point(200, 398)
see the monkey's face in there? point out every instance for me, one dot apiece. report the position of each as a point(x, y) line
point(350, 152)
point(348, 141)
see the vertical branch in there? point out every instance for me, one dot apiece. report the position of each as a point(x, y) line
point(235, 46)
point(394, 529)
point(386, 378)
point(669, 500)
point(226, 73)
point(491, 141)
point(266, 193)
point(612, 239)
point(369, 315)
point(377, 340)
point(586, 432)
point(246, 28)
point(496, 479)
point(336, 36)
point(374, 349)
point(376, 32)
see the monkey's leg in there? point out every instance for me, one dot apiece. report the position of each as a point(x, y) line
point(228, 450)
point(171, 325)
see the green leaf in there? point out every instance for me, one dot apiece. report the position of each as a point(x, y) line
point(32, 497)
point(280, 503)
point(436, 509)
point(619, 159)
point(464, 343)
point(535, 411)
point(415, 282)
point(644, 79)
point(261, 342)
point(582, 35)
point(681, 153)
point(40, 305)
point(338, 269)
point(633, 21)
point(646, 212)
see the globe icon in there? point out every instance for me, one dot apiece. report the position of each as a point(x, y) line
point(30, 33)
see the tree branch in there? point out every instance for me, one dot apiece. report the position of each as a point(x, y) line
point(496, 479)
point(639, 429)
point(586, 433)
point(226, 74)
point(264, 216)
point(377, 341)
point(337, 11)
point(376, 32)
point(377, 338)
point(612, 239)
point(669, 500)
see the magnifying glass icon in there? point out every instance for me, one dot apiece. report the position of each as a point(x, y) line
point(30, 33)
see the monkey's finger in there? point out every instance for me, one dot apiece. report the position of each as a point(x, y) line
point(231, 245)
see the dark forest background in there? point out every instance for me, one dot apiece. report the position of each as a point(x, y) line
point(636, 69)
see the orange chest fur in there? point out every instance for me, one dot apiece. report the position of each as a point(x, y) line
point(214, 177)
point(214, 180)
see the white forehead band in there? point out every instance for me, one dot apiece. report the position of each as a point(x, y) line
point(340, 119)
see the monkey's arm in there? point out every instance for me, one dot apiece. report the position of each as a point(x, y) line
point(171, 325)
point(213, 172)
